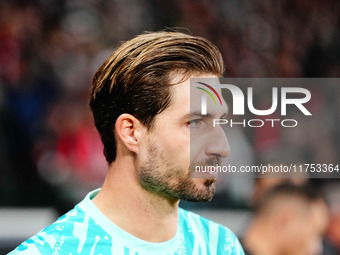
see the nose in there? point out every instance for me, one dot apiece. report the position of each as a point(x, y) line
point(218, 144)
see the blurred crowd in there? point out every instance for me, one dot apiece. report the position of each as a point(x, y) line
point(49, 50)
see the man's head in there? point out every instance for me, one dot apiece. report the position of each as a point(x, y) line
point(297, 217)
point(141, 103)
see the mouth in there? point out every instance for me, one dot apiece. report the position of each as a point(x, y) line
point(206, 169)
point(209, 182)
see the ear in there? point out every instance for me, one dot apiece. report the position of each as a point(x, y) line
point(128, 129)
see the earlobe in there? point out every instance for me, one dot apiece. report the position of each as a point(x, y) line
point(127, 129)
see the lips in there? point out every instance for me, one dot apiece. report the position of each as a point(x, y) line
point(209, 182)
point(206, 169)
point(208, 175)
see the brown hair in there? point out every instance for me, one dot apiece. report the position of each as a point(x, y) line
point(135, 78)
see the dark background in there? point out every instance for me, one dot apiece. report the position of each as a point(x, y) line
point(50, 153)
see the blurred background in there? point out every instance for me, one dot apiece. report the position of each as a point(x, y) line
point(50, 153)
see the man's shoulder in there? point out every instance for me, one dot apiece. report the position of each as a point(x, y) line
point(213, 233)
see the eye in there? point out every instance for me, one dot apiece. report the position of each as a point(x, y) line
point(194, 123)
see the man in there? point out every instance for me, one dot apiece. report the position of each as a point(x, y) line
point(141, 106)
point(290, 220)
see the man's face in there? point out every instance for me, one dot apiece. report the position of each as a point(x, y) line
point(307, 230)
point(165, 152)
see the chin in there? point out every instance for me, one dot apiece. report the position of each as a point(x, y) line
point(206, 190)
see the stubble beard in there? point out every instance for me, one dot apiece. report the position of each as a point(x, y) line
point(161, 176)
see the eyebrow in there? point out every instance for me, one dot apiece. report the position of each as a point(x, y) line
point(199, 114)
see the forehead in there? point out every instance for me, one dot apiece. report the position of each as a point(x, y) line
point(180, 85)
point(186, 95)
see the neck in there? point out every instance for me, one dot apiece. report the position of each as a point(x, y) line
point(259, 240)
point(139, 212)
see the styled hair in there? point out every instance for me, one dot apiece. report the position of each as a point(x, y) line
point(135, 78)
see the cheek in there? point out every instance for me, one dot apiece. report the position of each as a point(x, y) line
point(175, 147)
point(292, 234)
point(197, 149)
point(174, 142)
point(304, 241)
